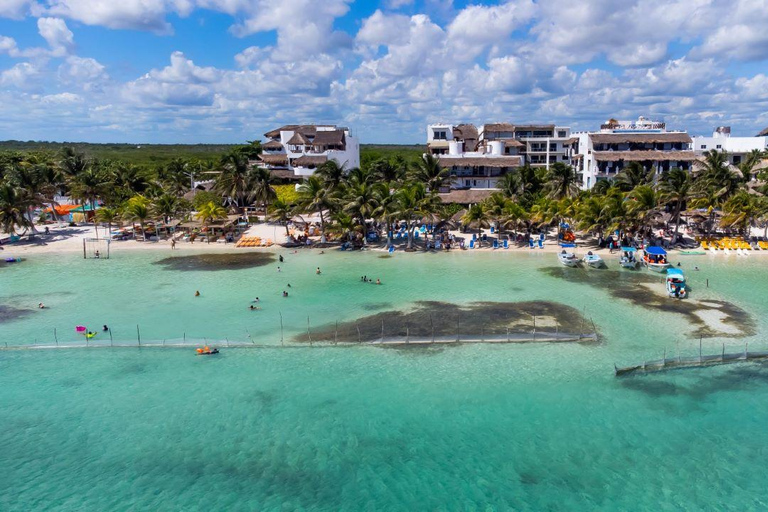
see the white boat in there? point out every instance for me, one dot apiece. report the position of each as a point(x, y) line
point(628, 258)
point(676, 283)
point(655, 258)
point(593, 260)
point(568, 259)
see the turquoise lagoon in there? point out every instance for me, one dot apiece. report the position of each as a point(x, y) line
point(471, 427)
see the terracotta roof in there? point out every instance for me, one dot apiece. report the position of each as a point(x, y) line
point(470, 196)
point(307, 161)
point(641, 156)
point(647, 138)
point(274, 159)
point(329, 138)
point(298, 139)
point(498, 161)
point(272, 144)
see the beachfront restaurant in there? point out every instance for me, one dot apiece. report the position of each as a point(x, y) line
point(220, 230)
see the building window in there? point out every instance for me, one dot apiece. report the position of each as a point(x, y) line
point(553, 147)
point(561, 134)
point(719, 146)
point(703, 146)
point(440, 135)
point(565, 157)
point(736, 159)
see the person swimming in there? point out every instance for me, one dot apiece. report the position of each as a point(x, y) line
point(378, 281)
point(696, 268)
point(253, 308)
point(285, 293)
point(280, 258)
point(318, 271)
point(105, 328)
point(289, 285)
point(41, 305)
point(278, 269)
point(197, 293)
point(255, 300)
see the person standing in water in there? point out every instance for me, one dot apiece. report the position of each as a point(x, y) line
point(317, 271)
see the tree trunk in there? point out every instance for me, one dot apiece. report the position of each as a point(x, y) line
point(95, 225)
point(677, 217)
point(322, 227)
point(143, 235)
point(410, 235)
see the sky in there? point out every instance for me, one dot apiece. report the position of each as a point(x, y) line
point(226, 71)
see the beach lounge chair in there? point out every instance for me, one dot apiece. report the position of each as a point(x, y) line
point(541, 243)
point(530, 243)
point(472, 244)
point(416, 234)
point(391, 249)
point(495, 244)
point(506, 244)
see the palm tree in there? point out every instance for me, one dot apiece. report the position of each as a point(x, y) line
point(260, 184)
point(281, 212)
point(361, 200)
point(234, 181)
point(14, 205)
point(475, 215)
point(387, 210)
point(511, 184)
point(633, 175)
point(562, 181)
point(495, 206)
point(429, 172)
point(413, 202)
point(383, 170)
point(741, 210)
point(710, 201)
point(27, 177)
point(332, 173)
point(676, 188)
point(87, 187)
point(166, 207)
point(315, 197)
point(108, 216)
point(135, 209)
point(718, 176)
point(592, 215)
point(514, 214)
point(644, 203)
point(72, 163)
point(343, 224)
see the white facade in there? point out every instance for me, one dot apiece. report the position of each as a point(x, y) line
point(303, 148)
point(737, 147)
point(479, 158)
point(603, 154)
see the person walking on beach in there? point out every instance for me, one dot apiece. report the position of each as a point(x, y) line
point(173, 244)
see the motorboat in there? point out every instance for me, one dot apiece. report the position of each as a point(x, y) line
point(655, 258)
point(676, 283)
point(568, 258)
point(628, 258)
point(593, 260)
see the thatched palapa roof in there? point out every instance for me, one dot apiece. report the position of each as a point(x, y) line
point(329, 138)
point(274, 159)
point(640, 138)
point(763, 133)
point(512, 143)
point(498, 161)
point(309, 161)
point(298, 139)
point(272, 144)
point(642, 156)
point(499, 127)
point(471, 196)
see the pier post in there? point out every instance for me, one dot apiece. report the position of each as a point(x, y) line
point(432, 326)
point(55, 337)
point(138, 334)
point(664, 361)
point(309, 333)
point(746, 351)
point(184, 339)
point(722, 356)
point(163, 341)
point(227, 341)
point(336, 334)
point(534, 327)
point(382, 331)
point(557, 332)
point(111, 341)
point(359, 336)
point(507, 334)
point(281, 327)
point(594, 329)
point(458, 327)
point(707, 283)
point(407, 334)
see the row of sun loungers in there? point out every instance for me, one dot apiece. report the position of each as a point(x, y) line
point(254, 241)
point(731, 244)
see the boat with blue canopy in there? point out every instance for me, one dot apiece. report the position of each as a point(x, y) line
point(676, 283)
point(655, 258)
point(628, 258)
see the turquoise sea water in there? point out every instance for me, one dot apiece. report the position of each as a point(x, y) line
point(471, 427)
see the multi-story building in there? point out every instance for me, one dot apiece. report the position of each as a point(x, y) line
point(301, 149)
point(738, 148)
point(605, 153)
point(479, 158)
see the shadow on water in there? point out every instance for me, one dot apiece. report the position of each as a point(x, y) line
point(695, 385)
point(446, 319)
point(634, 287)
point(214, 262)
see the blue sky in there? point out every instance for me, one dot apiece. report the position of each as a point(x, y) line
point(171, 71)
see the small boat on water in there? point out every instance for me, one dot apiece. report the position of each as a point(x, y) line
point(568, 258)
point(593, 260)
point(676, 283)
point(207, 351)
point(655, 258)
point(628, 258)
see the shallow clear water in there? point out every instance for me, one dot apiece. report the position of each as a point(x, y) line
point(472, 427)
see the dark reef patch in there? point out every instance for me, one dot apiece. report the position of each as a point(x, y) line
point(213, 262)
point(479, 318)
point(634, 287)
point(9, 313)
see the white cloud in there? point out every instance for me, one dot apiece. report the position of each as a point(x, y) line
point(57, 35)
point(14, 8)
point(21, 76)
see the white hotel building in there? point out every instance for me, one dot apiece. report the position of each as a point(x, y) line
point(479, 158)
point(603, 154)
point(737, 147)
point(301, 149)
